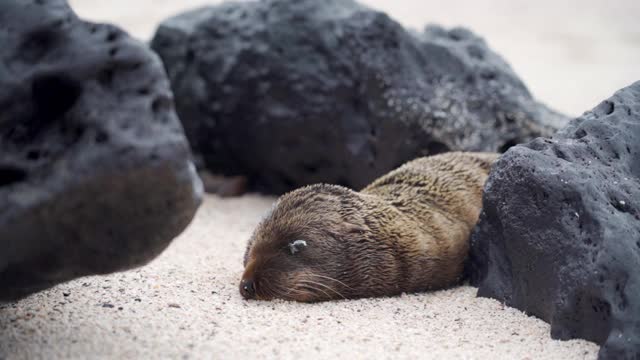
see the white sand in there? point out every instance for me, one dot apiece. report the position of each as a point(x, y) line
point(185, 304)
point(189, 307)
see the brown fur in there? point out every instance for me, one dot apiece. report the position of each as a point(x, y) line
point(406, 232)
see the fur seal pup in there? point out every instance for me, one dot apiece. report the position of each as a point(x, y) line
point(408, 231)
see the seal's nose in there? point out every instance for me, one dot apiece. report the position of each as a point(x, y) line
point(246, 289)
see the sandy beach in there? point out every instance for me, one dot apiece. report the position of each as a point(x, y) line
point(185, 304)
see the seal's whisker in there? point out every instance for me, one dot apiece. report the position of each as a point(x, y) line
point(302, 293)
point(332, 279)
point(268, 289)
point(265, 288)
point(279, 291)
point(324, 286)
point(295, 291)
point(308, 286)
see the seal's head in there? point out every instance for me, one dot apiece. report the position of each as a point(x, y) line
point(314, 245)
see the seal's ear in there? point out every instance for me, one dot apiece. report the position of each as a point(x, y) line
point(354, 228)
point(297, 245)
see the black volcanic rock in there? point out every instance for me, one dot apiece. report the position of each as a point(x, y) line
point(95, 170)
point(297, 92)
point(559, 235)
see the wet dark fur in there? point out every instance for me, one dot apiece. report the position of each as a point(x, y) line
point(406, 232)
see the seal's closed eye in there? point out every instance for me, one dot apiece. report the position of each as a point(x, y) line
point(296, 246)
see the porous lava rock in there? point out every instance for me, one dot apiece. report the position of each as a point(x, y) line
point(95, 170)
point(559, 234)
point(290, 93)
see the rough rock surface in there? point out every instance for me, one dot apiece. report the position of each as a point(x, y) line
point(296, 92)
point(95, 170)
point(559, 236)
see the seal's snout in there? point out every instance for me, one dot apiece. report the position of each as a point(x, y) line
point(247, 290)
